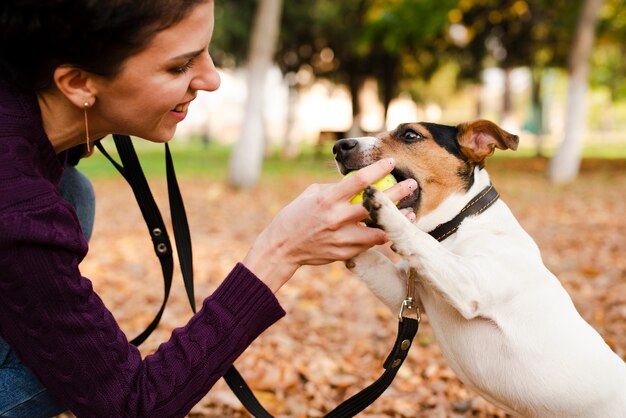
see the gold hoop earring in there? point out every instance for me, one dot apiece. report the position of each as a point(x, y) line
point(85, 107)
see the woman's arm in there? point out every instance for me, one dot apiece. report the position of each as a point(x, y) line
point(61, 329)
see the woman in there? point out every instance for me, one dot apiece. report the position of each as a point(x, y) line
point(73, 71)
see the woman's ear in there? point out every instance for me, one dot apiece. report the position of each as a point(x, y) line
point(76, 84)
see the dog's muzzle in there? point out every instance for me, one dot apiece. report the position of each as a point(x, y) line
point(351, 154)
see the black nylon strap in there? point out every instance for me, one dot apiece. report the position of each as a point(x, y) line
point(478, 204)
point(407, 328)
point(240, 388)
point(131, 170)
point(181, 228)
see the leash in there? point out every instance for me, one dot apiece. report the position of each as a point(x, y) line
point(408, 319)
point(477, 205)
point(408, 324)
point(131, 170)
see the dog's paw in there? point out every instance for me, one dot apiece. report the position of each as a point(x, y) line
point(385, 215)
point(380, 208)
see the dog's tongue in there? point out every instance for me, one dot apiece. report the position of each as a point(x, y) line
point(410, 201)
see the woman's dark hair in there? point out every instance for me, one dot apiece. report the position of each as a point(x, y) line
point(36, 36)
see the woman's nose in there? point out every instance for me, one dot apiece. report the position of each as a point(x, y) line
point(207, 78)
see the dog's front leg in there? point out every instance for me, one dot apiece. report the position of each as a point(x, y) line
point(446, 272)
point(384, 278)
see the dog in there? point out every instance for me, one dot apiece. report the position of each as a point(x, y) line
point(503, 321)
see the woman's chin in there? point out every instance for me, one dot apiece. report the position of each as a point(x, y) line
point(161, 136)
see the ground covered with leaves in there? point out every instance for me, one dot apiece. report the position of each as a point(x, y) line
point(336, 335)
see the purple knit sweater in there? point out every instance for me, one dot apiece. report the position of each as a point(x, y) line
point(61, 329)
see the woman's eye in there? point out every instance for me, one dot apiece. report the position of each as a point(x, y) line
point(183, 68)
point(411, 135)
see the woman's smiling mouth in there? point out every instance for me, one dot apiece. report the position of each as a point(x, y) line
point(181, 108)
point(179, 112)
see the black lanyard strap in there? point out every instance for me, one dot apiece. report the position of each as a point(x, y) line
point(407, 328)
point(131, 170)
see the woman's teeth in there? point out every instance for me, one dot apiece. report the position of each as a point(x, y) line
point(181, 107)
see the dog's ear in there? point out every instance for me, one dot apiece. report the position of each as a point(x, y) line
point(479, 139)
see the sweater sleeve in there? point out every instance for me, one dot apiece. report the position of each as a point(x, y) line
point(61, 329)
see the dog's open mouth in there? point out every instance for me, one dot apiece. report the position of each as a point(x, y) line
point(412, 200)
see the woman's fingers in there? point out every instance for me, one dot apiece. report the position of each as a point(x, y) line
point(401, 190)
point(409, 214)
point(395, 194)
point(351, 186)
point(353, 239)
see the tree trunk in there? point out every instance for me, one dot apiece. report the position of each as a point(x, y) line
point(355, 84)
point(290, 148)
point(387, 85)
point(247, 159)
point(565, 164)
point(478, 97)
point(507, 97)
point(537, 111)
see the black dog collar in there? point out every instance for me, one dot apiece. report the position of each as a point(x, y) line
point(477, 205)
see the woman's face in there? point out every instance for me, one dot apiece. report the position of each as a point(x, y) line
point(152, 92)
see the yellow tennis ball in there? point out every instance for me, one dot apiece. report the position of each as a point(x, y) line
point(383, 184)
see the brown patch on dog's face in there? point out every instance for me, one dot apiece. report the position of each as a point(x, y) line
point(438, 172)
point(440, 158)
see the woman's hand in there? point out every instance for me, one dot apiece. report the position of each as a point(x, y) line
point(320, 226)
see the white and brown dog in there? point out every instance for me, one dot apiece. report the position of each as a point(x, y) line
point(503, 321)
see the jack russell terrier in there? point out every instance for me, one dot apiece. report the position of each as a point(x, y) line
point(504, 323)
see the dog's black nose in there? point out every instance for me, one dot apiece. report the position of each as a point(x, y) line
point(344, 145)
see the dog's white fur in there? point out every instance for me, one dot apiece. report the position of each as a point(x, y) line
point(504, 323)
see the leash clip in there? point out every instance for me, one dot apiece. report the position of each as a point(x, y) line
point(409, 308)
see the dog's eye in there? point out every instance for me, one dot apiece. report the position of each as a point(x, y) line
point(411, 136)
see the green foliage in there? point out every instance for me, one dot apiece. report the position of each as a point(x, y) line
point(406, 26)
point(233, 23)
point(609, 69)
point(512, 33)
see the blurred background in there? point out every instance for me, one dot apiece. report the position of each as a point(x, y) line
point(298, 75)
point(301, 73)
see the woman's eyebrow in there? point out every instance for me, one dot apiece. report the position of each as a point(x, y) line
point(187, 55)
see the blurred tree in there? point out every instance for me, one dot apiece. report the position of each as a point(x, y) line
point(510, 34)
point(403, 40)
point(565, 164)
point(609, 66)
point(247, 158)
point(233, 28)
point(305, 51)
point(353, 40)
point(327, 44)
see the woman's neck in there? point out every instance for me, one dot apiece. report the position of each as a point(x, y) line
point(63, 122)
